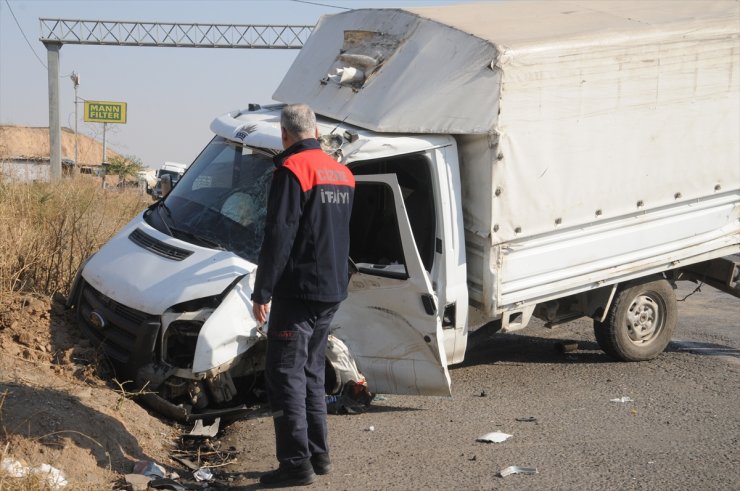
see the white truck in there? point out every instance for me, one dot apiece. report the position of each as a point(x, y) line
point(170, 172)
point(513, 159)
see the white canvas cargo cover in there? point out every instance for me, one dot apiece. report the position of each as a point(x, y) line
point(580, 95)
point(572, 118)
point(439, 69)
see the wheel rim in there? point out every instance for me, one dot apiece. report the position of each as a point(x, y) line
point(645, 319)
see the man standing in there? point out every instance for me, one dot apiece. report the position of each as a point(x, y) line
point(303, 270)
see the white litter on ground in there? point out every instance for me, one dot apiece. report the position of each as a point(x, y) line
point(495, 437)
point(53, 477)
point(622, 399)
point(515, 469)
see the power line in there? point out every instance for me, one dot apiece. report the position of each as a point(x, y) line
point(24, 34)
point(315, 3)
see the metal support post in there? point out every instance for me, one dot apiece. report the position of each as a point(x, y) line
point(75, 77)
point(104, 160)
point(55, 130)
point(105, 144)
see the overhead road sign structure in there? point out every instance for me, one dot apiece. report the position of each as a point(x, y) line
point(105, 112)
point(55, 33)
point(171, 34)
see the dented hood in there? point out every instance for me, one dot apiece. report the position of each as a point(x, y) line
point(138, 278)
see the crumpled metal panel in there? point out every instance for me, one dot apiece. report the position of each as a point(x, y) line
point(437, 79)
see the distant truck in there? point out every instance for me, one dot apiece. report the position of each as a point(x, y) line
point(147, 179)
point(513, 160)
point(171, 171)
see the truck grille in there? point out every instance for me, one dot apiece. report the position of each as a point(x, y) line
point(125, 334)
point(142, 239)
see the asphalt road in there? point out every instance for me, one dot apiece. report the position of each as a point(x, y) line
point(680, 432)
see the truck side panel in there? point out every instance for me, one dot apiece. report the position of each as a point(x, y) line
point(561, 263)
point(590, 136)
point(606, 164)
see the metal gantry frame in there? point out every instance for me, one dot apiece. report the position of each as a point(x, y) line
point(57, 32)
point(173, 35)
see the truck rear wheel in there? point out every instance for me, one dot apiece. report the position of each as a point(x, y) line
point(640, 322)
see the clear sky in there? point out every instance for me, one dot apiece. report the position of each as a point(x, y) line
point(173, 94)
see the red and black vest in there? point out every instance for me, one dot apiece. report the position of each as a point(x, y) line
point(306, 244)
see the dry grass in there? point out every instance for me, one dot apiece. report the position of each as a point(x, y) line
point(48, 229)
point(28, 483)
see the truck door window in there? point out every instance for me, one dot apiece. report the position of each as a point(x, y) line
point(414, 176)
point(375, 242)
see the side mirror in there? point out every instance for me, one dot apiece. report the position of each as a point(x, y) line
point(165, 184)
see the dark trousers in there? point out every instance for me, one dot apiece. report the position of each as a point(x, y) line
point(296, 347)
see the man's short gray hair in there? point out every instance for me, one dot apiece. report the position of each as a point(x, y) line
point(299, 120)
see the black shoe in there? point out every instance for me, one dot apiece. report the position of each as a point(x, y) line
point(284, 476)
point(321, 463)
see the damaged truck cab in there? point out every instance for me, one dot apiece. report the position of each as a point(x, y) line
point(169, 295)
point(512, 161)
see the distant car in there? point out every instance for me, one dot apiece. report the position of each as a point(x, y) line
point(127, 184)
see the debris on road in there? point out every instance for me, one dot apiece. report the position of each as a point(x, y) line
point(197, 453)
point(205, 431)
point(168, 484)
point(52, 476)
point(137, 482)
point(149, 469)
point(515, 469)
point(622, 399)
point(526, 419)
point(494, 437)
point(203, 474)
point(186, 462)
point(483, 393)
point(353, 399)
point(567, 346)
point(370, 428)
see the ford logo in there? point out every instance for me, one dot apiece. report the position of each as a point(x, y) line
point(96, 320)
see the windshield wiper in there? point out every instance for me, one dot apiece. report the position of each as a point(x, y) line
point(199, 238)
point(162, 206)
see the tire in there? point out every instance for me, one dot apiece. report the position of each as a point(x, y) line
point(640, 322)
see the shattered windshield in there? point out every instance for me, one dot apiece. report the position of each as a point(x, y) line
point(220, 201)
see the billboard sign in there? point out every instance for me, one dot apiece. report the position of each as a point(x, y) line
point(105, 112)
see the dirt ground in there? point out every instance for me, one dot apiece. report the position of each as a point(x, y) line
point(58, 406)
point(33, 143)
point(679, 429)
point(57, 409)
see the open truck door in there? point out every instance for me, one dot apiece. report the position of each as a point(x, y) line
point(390, 320)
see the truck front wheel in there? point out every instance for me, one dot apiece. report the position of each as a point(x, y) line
point(640, 322)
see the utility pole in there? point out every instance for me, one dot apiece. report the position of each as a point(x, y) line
point(75, 77)
point(105, 161)
point(105, 145)
point(55, 132)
